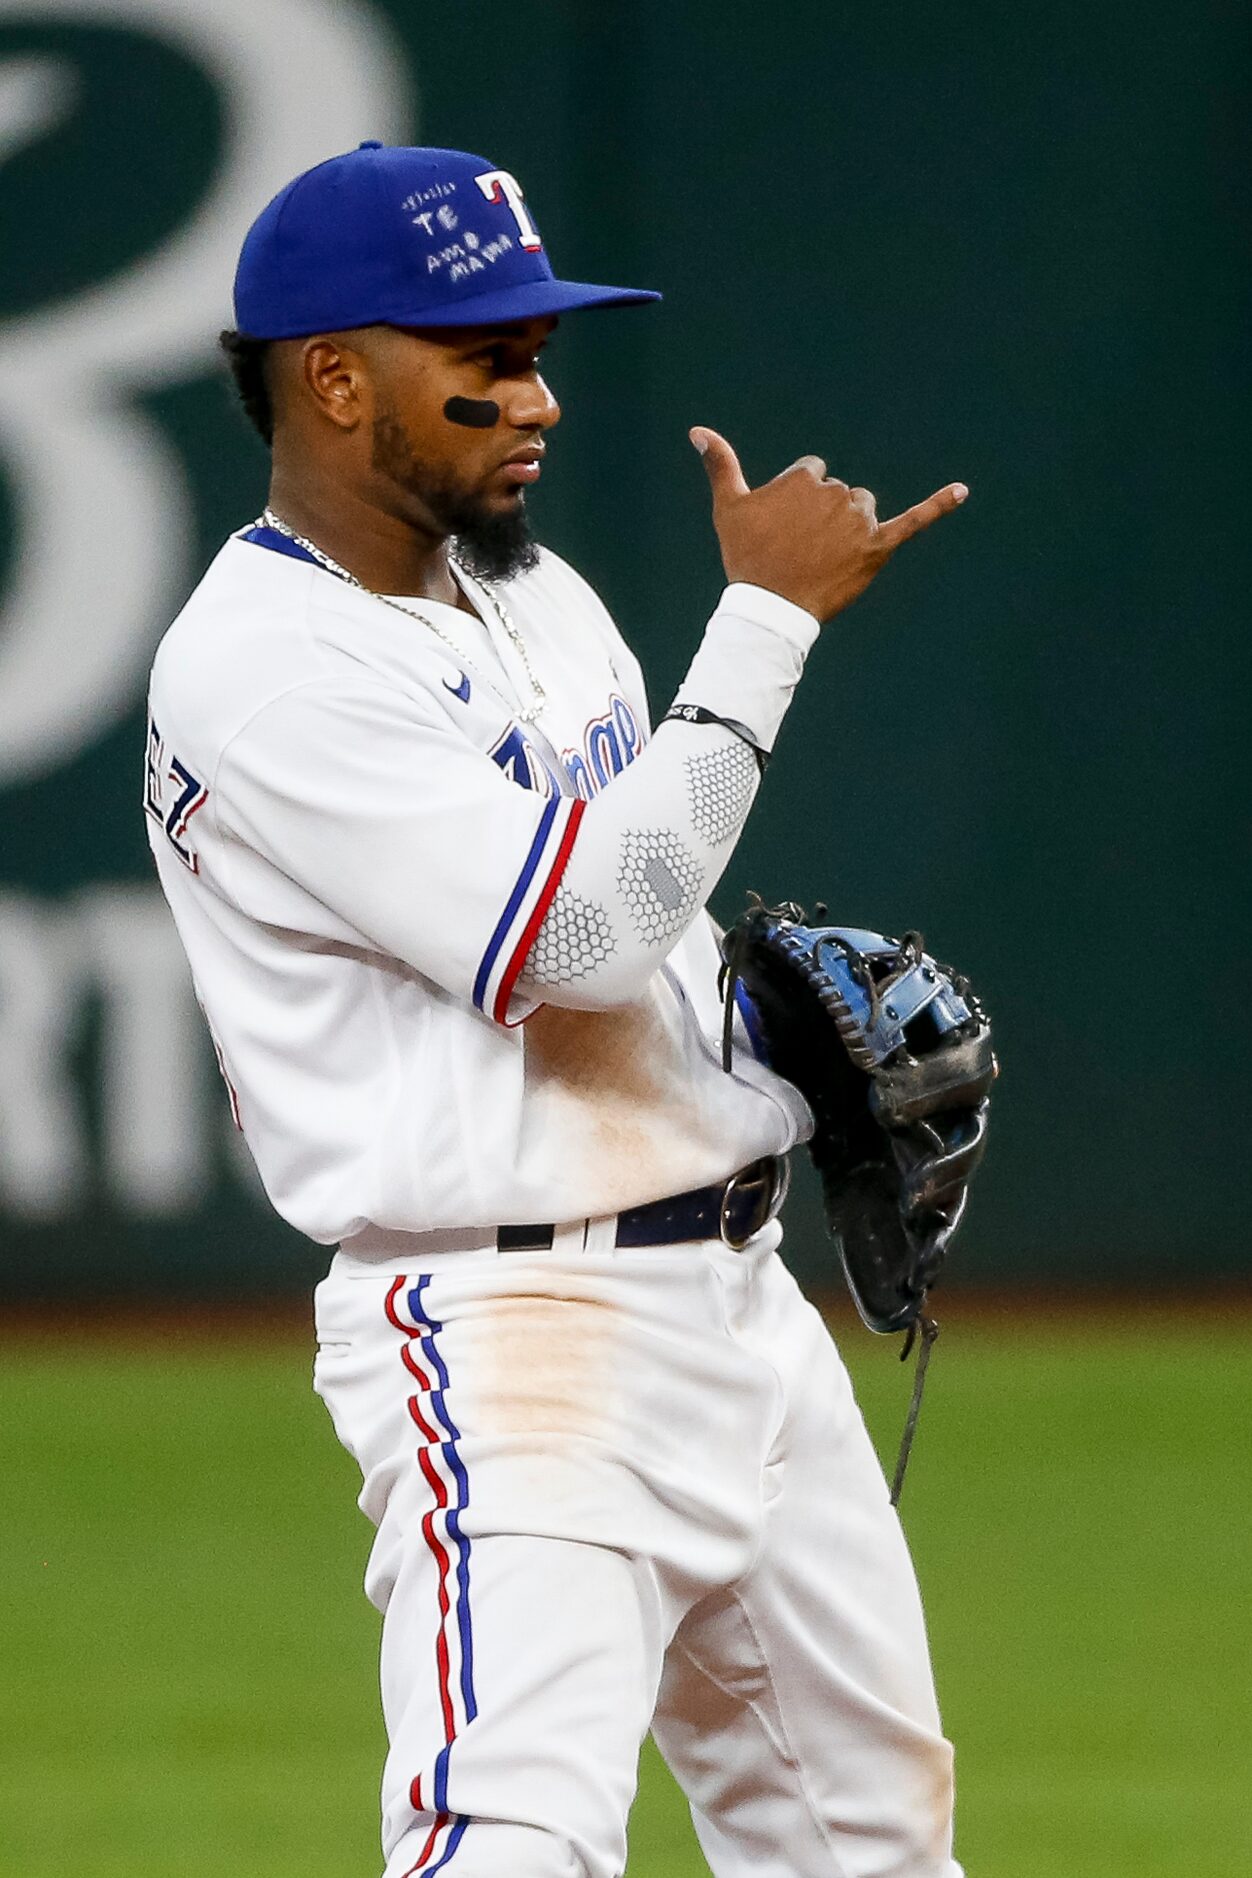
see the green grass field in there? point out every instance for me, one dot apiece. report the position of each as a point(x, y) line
point(187, 1661)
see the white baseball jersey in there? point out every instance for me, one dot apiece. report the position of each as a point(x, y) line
point(455, 964)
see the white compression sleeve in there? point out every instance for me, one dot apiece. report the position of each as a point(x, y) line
point(653, 845)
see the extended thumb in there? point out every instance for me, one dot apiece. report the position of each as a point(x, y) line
point(719, 460)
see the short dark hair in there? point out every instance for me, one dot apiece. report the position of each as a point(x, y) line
point(248, 361)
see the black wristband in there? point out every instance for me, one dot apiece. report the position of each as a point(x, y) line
point(696, 714)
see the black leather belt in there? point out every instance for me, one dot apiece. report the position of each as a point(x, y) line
point(733, 1212)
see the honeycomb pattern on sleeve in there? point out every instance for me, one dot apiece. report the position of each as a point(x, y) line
point(575, 937)
point(720, 787)
point(660, 881)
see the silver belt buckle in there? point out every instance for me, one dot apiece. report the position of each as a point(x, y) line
point(774, 1168)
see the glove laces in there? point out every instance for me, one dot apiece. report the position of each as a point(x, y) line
point(927, 1330)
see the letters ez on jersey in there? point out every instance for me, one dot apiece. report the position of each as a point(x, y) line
point(171, 796)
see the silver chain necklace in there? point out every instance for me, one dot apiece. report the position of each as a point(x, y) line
point(539, 697)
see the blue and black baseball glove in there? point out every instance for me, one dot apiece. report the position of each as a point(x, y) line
point(892, 1052)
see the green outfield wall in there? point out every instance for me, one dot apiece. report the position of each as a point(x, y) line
point(977, 242)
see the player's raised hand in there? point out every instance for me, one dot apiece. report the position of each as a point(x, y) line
point(806, 535)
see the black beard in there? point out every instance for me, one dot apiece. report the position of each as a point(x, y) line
point(491, 544)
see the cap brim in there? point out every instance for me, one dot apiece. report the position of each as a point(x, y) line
point(530, 300)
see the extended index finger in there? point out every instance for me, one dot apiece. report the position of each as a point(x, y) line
point(921, 515)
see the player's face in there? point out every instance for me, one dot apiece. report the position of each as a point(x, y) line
point(467, 480)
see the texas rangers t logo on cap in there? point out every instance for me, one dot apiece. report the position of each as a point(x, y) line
point(497, 184)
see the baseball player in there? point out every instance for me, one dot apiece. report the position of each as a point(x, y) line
point(443, 891)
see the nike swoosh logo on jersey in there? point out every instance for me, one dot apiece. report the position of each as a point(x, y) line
point(461, 691)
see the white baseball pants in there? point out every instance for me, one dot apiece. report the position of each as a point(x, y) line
point(617, 1491)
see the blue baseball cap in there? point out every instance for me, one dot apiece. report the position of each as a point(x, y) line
point(401, 236)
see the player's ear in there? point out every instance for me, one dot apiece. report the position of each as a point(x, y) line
point(335, 377)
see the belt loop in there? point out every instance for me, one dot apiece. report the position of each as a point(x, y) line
point(601, 1235)
point(570, 1238)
